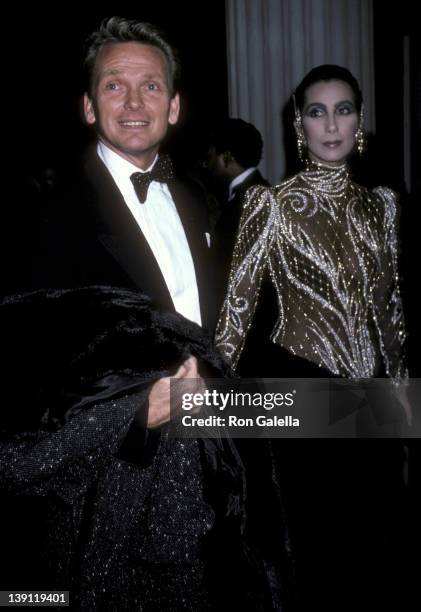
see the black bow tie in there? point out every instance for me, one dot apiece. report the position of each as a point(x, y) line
point(161, 172)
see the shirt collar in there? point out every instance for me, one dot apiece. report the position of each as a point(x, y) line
point(116, 164)
point(238, 180)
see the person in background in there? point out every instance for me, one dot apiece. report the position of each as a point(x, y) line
point(233, 157)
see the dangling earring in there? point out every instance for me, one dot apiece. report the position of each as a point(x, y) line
point(360, 135)
point(299, 132)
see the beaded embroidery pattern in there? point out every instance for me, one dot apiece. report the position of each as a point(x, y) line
point(330, 247)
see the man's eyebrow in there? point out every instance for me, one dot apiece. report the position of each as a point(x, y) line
point(117, 71)
point(110, 71)
point(157, 77)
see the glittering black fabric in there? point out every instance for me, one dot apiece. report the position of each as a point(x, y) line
point(155, 529)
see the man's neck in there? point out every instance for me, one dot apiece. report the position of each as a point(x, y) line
point(144, 162)
point(114, 159)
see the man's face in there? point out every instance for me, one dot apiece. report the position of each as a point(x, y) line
point(131, 104)
point(216, 165)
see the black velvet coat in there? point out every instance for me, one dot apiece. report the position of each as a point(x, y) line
point(125, 518)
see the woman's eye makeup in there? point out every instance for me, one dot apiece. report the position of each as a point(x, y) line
point(343, 108)
point(315, 111)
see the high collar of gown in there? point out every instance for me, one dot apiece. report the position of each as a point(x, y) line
point(325, 178)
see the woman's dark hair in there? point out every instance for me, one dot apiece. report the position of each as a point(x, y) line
point(327, 72)
point(120, 30)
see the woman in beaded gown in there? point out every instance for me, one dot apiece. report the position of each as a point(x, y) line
point(329, 248)
point(328, 244)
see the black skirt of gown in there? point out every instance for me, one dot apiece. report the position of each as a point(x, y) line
point(346, 505)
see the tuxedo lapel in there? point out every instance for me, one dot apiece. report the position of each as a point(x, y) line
point(121, 236)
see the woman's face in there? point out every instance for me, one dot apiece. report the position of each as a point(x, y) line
point(330, 121)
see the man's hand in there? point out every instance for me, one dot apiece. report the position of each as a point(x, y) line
point(159, 397)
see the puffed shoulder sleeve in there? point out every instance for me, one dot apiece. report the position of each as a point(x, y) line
point(387, 302)
point(248, 264)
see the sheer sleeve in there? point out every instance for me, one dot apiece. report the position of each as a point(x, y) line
point(387, 303)
point(250, 258)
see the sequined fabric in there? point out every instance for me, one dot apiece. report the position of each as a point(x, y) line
point(330, 248)
point(142, 522)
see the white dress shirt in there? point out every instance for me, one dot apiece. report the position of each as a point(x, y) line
point(238, 180)
point(160, 223)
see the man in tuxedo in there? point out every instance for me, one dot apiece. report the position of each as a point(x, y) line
point(121, 229)
point(234, 153)
point(124, 219)
point(127, 220)
point(128, 230)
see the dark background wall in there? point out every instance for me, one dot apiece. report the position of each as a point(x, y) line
point(392, 26)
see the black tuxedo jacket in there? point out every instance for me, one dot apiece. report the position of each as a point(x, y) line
point(92, 239)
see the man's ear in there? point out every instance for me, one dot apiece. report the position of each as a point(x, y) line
point(88, 110)
point(174, 110)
